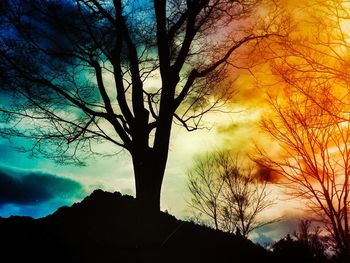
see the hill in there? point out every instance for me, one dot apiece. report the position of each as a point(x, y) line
point(108, 227)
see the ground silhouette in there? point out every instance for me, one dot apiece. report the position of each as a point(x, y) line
point(108, 227)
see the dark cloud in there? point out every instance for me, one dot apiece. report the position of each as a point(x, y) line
point(267, 174)
point(34, 187)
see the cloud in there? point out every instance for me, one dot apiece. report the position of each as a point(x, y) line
point(270, 234)
point(34, 187)
point(268, 174)
point(264, 240)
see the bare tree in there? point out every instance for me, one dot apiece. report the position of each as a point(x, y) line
point(246, 197)
point(314, 159)
point(310, 118)
point(84, 72)
point(205, 183)
point(233, 197)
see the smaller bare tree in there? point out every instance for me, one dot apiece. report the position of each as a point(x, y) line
point(205, 184)
point(233, 197)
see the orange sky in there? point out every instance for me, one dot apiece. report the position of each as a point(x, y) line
point(329, 37)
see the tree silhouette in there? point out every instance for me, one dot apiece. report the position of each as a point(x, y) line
point(290, 250)
point(313, 158)
point(310, 117)
point(205, 183)
point(313, 239)
point(84, 72)
point(232, 196)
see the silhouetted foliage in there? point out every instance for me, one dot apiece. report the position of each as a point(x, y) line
point(289, 250)
point(313, 240)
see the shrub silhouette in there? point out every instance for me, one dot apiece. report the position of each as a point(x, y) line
point(289, 250)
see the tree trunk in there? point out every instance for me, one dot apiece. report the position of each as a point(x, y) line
point(149, 162)
point(149, 173)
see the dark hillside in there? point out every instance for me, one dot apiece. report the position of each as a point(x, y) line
point(108, 227)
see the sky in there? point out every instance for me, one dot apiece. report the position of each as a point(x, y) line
point(37, 187)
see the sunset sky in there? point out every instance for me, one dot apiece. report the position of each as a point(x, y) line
point(44, 186)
